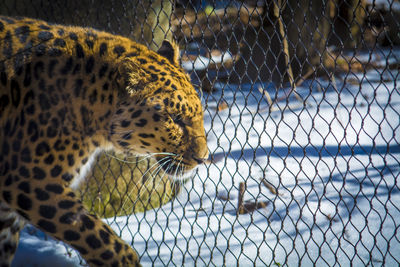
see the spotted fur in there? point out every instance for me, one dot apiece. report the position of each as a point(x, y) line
point(65, 93)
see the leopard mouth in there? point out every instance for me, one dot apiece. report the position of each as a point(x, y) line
point(177, 166)
point(172, 169)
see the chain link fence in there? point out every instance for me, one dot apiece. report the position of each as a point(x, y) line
point(302, 109)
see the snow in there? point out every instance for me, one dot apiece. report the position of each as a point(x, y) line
point(202, 63)
point(37, 249)
point(335, 165)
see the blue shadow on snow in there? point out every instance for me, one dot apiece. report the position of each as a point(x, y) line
point(310, 151)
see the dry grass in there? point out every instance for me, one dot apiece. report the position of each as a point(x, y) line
point(117, 187)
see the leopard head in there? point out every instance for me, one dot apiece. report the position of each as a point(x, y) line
point(159, 112)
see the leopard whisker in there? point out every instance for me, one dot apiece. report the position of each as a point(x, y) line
point(154, 154)
point(177, 179)
point(154, 164)
point(153, 175)
point(144, 185)
point(177, 169)
point(157, 183)
point(174, 181)
point(143, 158)
point(167, 194)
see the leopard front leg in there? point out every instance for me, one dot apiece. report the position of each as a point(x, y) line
point(56, 210)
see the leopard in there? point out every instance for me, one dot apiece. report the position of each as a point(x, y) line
point(67, 92)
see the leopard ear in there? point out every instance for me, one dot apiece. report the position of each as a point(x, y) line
point(129, 76)
point(170, 51)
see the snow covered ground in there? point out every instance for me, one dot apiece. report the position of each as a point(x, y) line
point(335, 165)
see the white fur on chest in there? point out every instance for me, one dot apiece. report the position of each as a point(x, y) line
point(78, 179)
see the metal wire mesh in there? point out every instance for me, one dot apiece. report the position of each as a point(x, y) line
point(302, 109)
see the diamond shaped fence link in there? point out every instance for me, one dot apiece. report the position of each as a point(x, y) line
point(302, 106)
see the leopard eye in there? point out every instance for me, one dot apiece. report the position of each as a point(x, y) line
point(178, 120)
